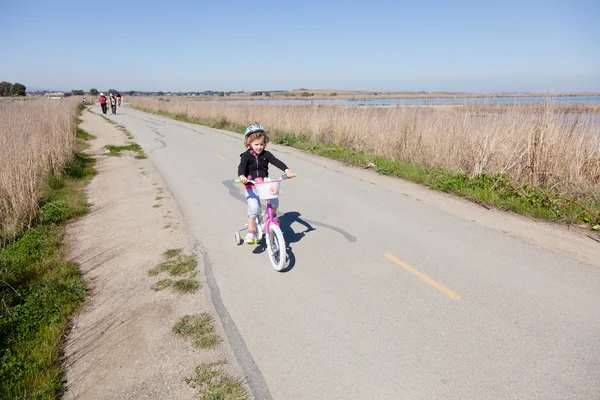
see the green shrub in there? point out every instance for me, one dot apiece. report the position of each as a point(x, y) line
point(54, 212)
point(221, 123)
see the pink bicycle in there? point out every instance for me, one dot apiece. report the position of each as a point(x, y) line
point(266, 225)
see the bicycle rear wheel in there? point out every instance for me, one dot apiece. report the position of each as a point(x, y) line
point(276, 247)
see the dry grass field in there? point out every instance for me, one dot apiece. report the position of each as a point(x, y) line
point(550, 145)
point(36, 137)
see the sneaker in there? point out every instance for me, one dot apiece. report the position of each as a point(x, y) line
point(250, 238)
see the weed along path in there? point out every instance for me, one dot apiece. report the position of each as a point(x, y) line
point(392, 292)
point(147, 324)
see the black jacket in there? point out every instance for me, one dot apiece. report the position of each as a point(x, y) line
point(258, 166)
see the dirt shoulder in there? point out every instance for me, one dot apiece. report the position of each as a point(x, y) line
point(122, 344)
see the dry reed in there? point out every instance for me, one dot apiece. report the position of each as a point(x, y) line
point(534, 144)
point(36, 138)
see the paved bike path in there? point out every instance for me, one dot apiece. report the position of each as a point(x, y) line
point(394, 291)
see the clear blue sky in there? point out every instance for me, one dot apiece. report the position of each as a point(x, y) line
point(477, 46)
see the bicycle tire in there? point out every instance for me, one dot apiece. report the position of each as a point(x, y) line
point(276, 247)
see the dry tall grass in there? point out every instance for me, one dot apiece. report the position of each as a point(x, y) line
point(534, 144)
point(36, 137)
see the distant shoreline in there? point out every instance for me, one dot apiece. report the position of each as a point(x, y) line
point(347, 95)
point(330, 94)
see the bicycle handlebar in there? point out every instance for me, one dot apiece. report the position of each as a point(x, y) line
point(282, 177)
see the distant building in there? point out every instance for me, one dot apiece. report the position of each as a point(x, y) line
point(55, 95)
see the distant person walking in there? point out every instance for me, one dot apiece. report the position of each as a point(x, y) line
point(102, 101)
point(113, 103)
point(118, 96)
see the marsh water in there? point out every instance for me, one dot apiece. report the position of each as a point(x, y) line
point(429, 101)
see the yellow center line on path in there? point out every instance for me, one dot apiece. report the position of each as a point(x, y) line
point(192, 142)
point(423, 277)
point(221, 157)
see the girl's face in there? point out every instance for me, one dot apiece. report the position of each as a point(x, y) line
point(258, 145)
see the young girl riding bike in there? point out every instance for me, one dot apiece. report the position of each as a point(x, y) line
point(254, 164)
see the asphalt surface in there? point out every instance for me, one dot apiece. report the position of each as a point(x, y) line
point(393, 291)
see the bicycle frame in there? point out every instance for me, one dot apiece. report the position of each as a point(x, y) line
point(270, 219)
point(263, 225)
point(275, 242)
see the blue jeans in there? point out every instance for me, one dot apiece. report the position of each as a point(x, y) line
point(254, 203)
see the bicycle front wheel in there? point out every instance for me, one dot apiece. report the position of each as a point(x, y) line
point(276, 247)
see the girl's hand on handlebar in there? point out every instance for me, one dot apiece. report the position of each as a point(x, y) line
point(243, 179)
point(289, 173)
